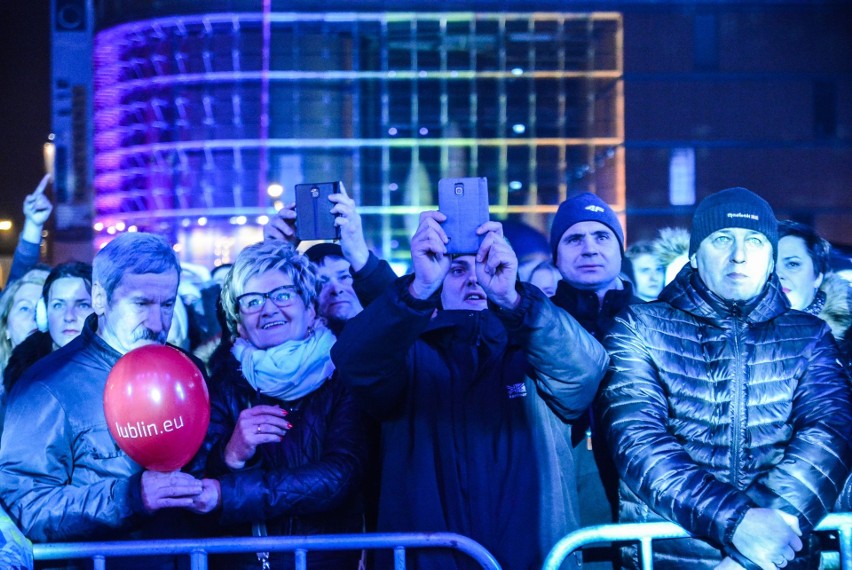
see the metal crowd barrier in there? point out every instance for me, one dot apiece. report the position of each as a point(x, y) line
point(198, 550)
point(646, 533)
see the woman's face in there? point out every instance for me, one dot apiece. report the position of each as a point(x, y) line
point(68, 305)
point(270, 320)
point(799, 280)
point(22, 322)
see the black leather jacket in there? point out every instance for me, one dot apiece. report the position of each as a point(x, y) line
point(62, 476)
point(310, 483)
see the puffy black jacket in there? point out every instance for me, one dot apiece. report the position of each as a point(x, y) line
point(310, 483)
point(474, 408)
point(713, 408)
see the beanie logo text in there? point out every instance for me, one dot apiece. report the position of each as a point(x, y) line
point(593, 208)
point(749, 216)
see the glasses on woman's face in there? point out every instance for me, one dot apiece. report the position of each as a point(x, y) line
point(253, 302)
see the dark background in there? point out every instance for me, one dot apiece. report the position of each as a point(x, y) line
point(24, 105)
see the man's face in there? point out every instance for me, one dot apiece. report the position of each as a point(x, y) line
point(461, 290)
point(589, 256)
point(68, 305)
point(648, 276)
point(140, 311)
point(734, 263)
point(337, 299)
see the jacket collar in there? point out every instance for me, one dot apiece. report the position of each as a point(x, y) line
point(89, 337)
point(582, 302)
point(689, 293)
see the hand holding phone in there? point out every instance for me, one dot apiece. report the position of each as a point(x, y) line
point(314, 218)
point(464, 201)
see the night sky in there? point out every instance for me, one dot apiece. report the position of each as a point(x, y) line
point(25, 97)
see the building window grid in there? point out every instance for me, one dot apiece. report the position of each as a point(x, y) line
point(537, 57)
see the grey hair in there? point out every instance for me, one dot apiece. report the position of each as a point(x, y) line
point(260, 258)
point(132, 253)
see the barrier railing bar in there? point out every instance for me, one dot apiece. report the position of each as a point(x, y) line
point(200, 549)
point(645, 533)
point(198, 560)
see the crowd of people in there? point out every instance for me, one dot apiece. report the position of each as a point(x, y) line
point(700, 378)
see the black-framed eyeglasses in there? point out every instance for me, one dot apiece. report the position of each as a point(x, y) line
point(253, 302)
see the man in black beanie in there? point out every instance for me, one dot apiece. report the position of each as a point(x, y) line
point(587, 243)
point(728, 413)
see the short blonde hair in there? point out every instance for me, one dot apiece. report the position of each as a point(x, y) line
point(260, 258)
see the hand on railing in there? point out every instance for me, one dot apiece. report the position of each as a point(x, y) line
point(766, 538)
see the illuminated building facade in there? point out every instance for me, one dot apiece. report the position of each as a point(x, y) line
point(203, 123)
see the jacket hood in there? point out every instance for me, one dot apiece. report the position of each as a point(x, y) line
point(837, 308)
point(689, 293)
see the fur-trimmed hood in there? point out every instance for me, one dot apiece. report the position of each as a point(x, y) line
point(672, 250)
point(837, 310)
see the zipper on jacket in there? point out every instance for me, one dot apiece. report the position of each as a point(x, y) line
point(737, 398)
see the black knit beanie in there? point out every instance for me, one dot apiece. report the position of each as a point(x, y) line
point(733, 208)
point(585, 207)
point(319, 251)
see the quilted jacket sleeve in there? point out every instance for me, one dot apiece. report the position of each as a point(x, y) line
point(37, 459)
point(819, 456)
point(262, 492)
point(371, 353)
point(567, 362)
point(373, 279)
point(633, 410)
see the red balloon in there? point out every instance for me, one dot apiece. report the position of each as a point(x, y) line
point(157, 407)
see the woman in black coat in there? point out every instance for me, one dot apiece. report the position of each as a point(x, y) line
point(286, 442)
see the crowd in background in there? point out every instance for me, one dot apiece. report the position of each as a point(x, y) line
point(512, 394)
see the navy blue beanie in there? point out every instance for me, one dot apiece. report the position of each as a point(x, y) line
point(733, 208)
point(585, 207)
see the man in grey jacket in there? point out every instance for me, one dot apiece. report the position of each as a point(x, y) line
point(62, 475)
point(727, 412)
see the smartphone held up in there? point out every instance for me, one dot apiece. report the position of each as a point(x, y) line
point(464, 201)
point(315, 221)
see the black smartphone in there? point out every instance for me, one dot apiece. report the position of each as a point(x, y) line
point(314, 220)
point(465, 203)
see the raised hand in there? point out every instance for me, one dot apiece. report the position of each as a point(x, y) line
point(282, 226)
point(497, 266)
point(37, 209)
point(257, 425)
point(352, 240)
point(429, 255)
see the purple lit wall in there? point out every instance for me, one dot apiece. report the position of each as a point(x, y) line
point(196, 117)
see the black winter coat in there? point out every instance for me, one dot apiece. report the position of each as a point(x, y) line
point(714, 408)
point(310, 483)
point(474, 408)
